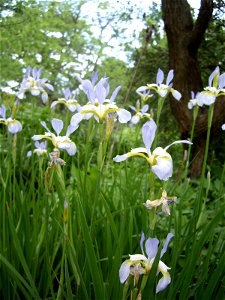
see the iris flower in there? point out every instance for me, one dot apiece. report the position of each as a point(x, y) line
point(59, 142)
point(34, 84)
point(69, 101)
point(194, 100)
point(40, 149)
point(164, 201)
point(214, 89)
point(13, 125)
point(140, 112)
point(140, 264)
point(160, 160)
point(160, 88)
point(99, 106)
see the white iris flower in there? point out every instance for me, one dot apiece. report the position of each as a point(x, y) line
point(59, 142)
point(160, 88)
point(159, 159)
point(13, 125)
point(212, 91)
point(99, 106)
point(140, 264)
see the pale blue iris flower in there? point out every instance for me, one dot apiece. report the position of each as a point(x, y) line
point(13, 125)
point(140, 264)
point(59, 142)
point(215, 89)
point(159, 87)
point(40, 149)
point(160, 160)
point(69, 101)
point(34, 84)
point(99, 105)
point(194, 101)
point(140, 113)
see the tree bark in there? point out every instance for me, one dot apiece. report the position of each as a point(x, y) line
point(184, 38)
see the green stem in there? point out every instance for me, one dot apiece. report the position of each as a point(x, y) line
point(199, 203)
point(195, 114)
point(210, 118)
point(158, 113)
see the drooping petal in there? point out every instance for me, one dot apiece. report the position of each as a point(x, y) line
point(163, 283)
point(191, 103)
point(123, 115)
point(44, 97)
point(135, 119)
point(151, 247)
point(178, 142)
point(72, 150)
point(177, 95)
point(148, 133)
point(29, 153)
point(124, 271)
point(49, 86)
point(136, 257)
point(168, 238)
point(163, 169)
point(72, 106)
point(54, 104)
point(163, 90)
point(206, 97)
point(141, 90)
point(120, 158)
point(139, 150)
point(14, 126)
point(35, 91)
point(38, 137)
point(159, 76)
point(57, 125)
point(163, 165)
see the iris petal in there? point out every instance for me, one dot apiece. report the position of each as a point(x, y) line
point(151, 247)
point(148, 133)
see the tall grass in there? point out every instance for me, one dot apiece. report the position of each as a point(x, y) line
point(66, 230)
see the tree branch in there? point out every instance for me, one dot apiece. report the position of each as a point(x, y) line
point(201, 24)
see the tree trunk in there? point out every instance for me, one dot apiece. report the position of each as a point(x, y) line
point(184, 38)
